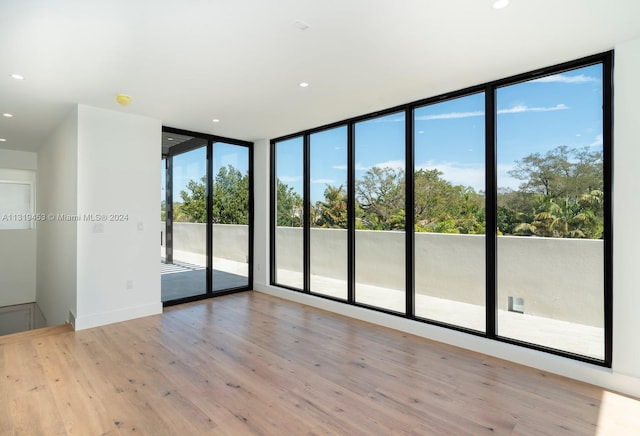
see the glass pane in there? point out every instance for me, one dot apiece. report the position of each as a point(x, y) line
point(550, 212)
point(289, 220)
point(185, 275)
point(230, 216)
point(380, 212)
point(449, 212)
point(328, 157)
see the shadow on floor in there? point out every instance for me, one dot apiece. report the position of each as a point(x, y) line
point(194, 282)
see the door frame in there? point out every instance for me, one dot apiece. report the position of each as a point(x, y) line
point(184, 147)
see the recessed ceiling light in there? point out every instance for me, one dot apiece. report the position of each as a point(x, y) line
point(301, 25)
point(303, 84)
point(17, 76)
point(499, 4)
point(7, 115)
point(3, 140)
point(169, 139)
point(215, 120)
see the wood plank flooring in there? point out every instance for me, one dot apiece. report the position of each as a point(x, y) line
point(254, 364)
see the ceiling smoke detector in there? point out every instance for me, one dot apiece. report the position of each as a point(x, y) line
point(123, 99)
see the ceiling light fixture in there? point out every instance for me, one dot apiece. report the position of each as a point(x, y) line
point(3, 140)
point(215, 120)
point(7, 115)
point(301, 25)
point(500, 4)
point(303, 84)
point(169, 139)
point(17, 76)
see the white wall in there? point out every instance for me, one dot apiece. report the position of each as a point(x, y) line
point(261, 173)
point(17, 247)
point(626, 210)
point(118, 267)
point(19, 160)
point(56, 241)
point(624, 376)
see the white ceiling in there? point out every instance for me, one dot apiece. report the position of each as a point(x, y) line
point(189, 61)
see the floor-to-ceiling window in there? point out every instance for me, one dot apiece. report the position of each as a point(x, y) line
point(288, 213)
point(206, 216)
point(380, 212)
point(230, 216)
point(329, 212)
point(449, 211)
point(550, 275)
point(485, 210)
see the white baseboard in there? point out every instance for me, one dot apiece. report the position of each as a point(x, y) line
point(104, 318)
point(604, 377)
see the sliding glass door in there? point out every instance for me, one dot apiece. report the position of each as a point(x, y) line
point(206, 231)
point(230, 216)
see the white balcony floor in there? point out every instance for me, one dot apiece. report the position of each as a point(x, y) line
point(186, 277)
point(562, 335)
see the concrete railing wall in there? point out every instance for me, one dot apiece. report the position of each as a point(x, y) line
point(230, 241)
point(557, 278)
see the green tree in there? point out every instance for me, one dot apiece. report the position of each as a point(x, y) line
point(560, 172)
point(194, 202)
point(442, 207)
point(380, 194)
point(230, 196)
point(230, 199)
point(561, 195)
point(288, 206)
point(332, 212)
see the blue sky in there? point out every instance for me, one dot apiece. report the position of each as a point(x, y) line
point(193, 164)
point(534, 116)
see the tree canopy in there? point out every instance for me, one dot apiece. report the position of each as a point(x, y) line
point(230, 199)
point(560, 195)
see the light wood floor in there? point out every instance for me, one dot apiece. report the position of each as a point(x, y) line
point(253, 364)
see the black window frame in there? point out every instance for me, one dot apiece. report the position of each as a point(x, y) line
point(211, 140)
point(606, 59)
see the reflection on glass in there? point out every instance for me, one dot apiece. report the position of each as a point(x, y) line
point(289, 209)
point(380, 212)
point(328, 239)
point(550, 212)
point(186, 276)
point(449, 212)
point(230, 216)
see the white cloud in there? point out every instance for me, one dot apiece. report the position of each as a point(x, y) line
point(389, 120)
point(563, 78)
point(512, 110)
point(458, 173)
point(393, 164)
point(598, 141)
point(359, 167)
point(290, 179)
point(524, 108)
point(450, 116)
point(504, 179)
point(323, 181)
